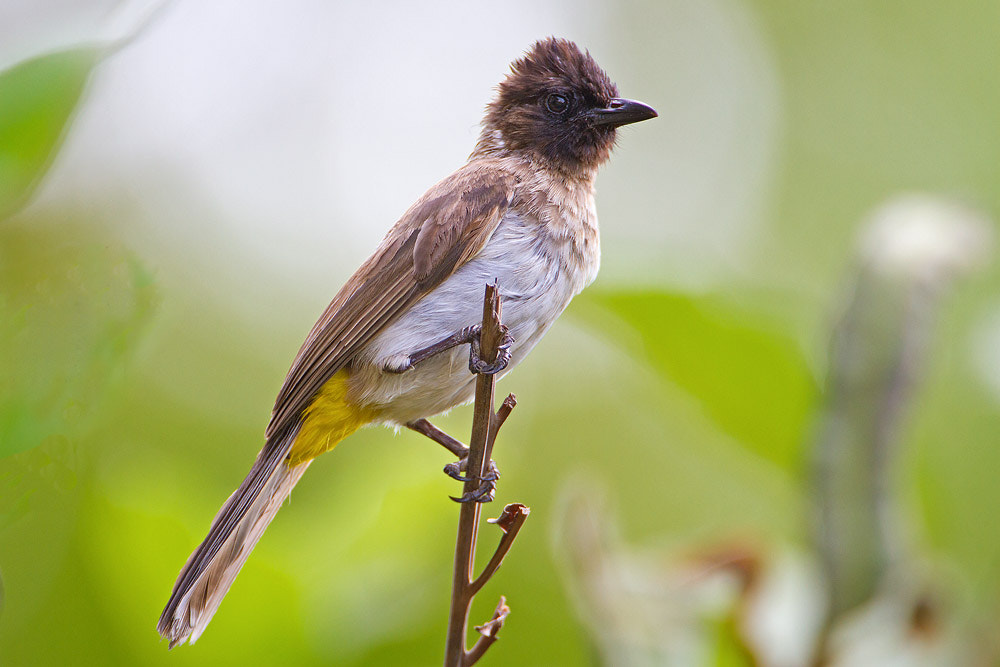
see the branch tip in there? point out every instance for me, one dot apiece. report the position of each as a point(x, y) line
point(491, 627)
point(513, 515)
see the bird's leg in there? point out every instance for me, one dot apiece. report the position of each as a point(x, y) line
point(454, 470)
point(468, 335)
point(424, 427)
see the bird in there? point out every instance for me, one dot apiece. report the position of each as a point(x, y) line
point(389, 347)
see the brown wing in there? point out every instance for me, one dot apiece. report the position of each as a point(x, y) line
point(443, 230)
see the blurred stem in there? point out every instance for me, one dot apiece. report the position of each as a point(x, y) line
point(909, 253)
point(873, 361)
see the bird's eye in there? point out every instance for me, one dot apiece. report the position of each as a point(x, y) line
point(557, 103)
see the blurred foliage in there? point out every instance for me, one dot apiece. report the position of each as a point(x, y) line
point(133, 400)
point(37, 100)
point(70, 314)
point(751, 379)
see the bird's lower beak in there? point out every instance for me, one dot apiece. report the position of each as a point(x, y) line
point(622, 112)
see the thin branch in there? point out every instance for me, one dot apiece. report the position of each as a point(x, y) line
point(468, 519)
point(485, 425)
point(496, 421)
point(510, 522)
point(488, 632)
point(505, 409)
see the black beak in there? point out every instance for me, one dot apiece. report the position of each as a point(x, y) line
point(622, 112)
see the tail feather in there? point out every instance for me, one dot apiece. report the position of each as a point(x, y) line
point(211, 569)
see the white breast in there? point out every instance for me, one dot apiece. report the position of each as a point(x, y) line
point(537, 275)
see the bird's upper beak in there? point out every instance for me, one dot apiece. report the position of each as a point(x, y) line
point(622, 112)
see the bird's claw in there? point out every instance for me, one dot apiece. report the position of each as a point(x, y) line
point(483, 494)
point(454, 470)
point(480, 366)
point(487, 483)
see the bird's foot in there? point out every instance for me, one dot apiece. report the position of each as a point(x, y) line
point(486, 490)
point(402, 363)
point(480, 366)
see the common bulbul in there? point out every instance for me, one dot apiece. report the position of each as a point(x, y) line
point(520, 212)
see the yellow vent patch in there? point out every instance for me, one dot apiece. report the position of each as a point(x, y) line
point(329, 419)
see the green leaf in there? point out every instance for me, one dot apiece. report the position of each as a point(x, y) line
point(37, 100)
point(753, 382)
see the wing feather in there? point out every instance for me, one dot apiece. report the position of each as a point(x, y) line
point(442, 231)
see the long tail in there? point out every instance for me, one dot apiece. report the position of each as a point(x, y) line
point(211, 569)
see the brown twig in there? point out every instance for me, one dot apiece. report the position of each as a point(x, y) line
point(510, 522)
point(485, 425)
point(488, 632)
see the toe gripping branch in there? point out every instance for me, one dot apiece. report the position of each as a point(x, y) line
point(486, 489)
point(484, 484)
point(477, 363)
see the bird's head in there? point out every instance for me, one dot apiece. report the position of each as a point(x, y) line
point(559, 106)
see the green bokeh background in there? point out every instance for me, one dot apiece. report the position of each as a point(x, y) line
point(692, 406)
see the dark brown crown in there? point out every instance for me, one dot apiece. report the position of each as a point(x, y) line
point(519, 120)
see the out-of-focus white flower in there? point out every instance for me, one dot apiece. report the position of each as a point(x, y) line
point(925, 238)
